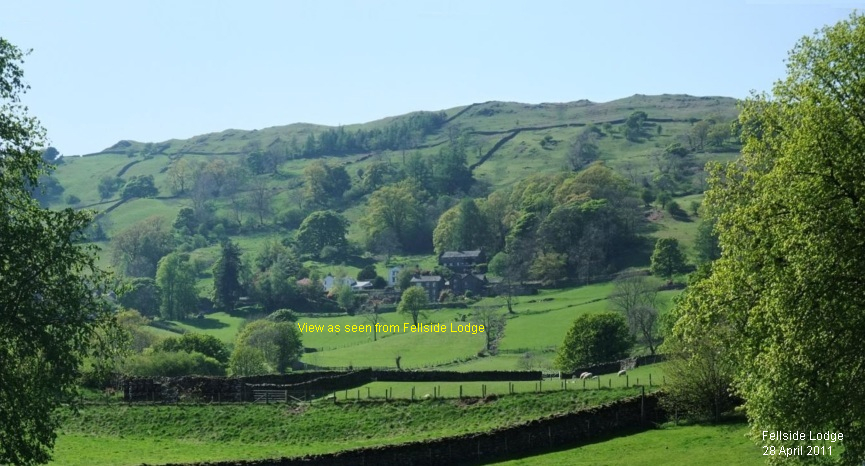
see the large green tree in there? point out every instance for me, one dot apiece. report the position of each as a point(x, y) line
point(227, 288)
point(593, 339)
point(395, 213)
point(176, 281)
point(786, 297)
point(51, 290)
point(667, 258)
point(279, 343)
point(412, 302)
point(322, 229)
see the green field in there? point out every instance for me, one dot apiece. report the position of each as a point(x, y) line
point(724, 444)
point(403, 390)
point(117, 434)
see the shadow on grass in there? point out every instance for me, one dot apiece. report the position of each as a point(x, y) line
point(205, 324)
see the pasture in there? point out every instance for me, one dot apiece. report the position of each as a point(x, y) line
point(116, 434)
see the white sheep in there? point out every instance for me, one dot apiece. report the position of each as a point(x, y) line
point(427, 396)
point(594, 377)
point(586, 375)
point(622, 372)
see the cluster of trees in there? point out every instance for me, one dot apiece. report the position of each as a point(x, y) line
point(549, 227)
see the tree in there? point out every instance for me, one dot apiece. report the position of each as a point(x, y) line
point(142, 296)
point(549, 267)
point(461, 228)
point(367, 273)
point(634, 125)
point(372, 317)
point(139, 186)
point(706, 243)
point(325, 184)
point(593, 339)
point(226, 277)
point(321, 229)
point(137, 249)
point(667, 258)
point(504, 265)
point(494, 325)
point(412, 302)
point(634, 296)
point(259, 200)
point(584, 149)
point(108, 185)
point(51, 292)
point(207, 345)
point(179, 175)
point(403, 278)
point(786, 296)
point(279, 342)
point(246, 361)
point(395, 209)
point(176, 281)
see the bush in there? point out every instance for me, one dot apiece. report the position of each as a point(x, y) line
point(207, 345)
point(172, 364)
point(367, 273)
point(72, 199)
point(676, 210)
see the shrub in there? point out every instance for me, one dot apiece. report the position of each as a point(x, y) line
point(172, 364)
point(72, 199)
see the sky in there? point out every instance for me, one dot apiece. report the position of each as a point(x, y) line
point(102, 71)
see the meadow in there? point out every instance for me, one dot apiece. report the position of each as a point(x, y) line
point(118, 434)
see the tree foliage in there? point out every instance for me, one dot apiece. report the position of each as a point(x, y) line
point(138, 249)
point(592, 339)
point(786, 296)
point(412, 302)
point(176, 281)
point(227, 270)
point(396, 212)
point(207, 345)
point(51, 290)
point(635, 296)
point(322, 229)
point(279, 343)
point(667, 258)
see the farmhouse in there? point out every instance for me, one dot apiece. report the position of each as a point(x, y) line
point(433, 284)
point(462, 261)
point(330, 281)
point(392, 273)
point(462, 282)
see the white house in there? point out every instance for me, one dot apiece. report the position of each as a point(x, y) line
point(392, 274)
point(330, 281)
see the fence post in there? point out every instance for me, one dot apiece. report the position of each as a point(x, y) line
point(412, 393)
point(367, 393)
point(599, 383)
point(650, 380)
point(461, 392)
point(627, 384)
point(610, 382)
point(358, 394)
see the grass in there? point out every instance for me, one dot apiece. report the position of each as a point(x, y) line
point(719, 444)
point(121, 435)
point(219, 324)
point(604, 383)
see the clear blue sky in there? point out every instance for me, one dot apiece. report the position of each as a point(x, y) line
point(149, 71)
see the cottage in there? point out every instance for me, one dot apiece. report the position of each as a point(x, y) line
point(433, 284)
point(462, 282)
point(462, 261)
point(330, 281)
point(392, 274)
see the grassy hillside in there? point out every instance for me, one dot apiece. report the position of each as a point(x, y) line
point(504, 144)
point(122, 435)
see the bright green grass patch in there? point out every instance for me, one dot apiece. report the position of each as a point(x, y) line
point(724, 444)
point(137, 210)
point(119, 434)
